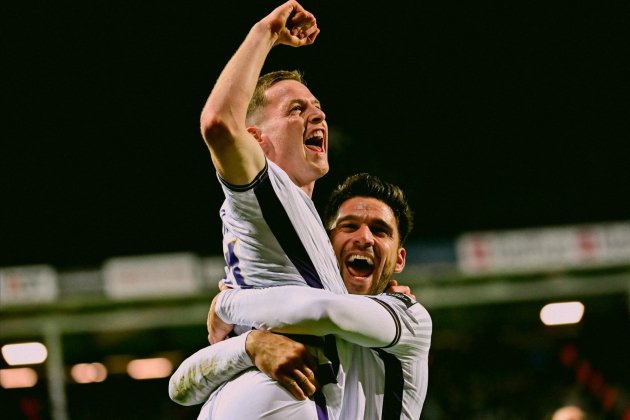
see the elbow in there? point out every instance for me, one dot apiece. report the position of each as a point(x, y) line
point(173, 392)
point(177, 394)
point(215, 127)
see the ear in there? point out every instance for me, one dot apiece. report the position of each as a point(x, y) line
point(255, 132)
point(261, 139)
point(400, 260)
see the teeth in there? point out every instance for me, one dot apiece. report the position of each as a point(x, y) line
point(367, 259)
point(317, 134)
point(316, 140)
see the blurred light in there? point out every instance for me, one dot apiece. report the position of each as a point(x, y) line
point(85, 373)
point(18, 378)
point(562, 313)
point(24, 353)
point(158, 367)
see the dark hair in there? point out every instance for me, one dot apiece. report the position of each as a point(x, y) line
point(265, 82)
point(366, 185)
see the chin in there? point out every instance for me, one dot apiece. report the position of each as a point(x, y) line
point(323, 170)
point(358, 287)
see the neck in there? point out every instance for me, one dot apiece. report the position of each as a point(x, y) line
point(304, 185)
point(308, 188)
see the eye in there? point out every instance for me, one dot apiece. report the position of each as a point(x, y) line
point(380, 231)
point(347, 227)
point(296, 109)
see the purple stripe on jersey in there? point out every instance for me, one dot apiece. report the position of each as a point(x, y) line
point(278, 221)
point(322, 413)
point(233, 266)
point(394, 386)
point(320, 405)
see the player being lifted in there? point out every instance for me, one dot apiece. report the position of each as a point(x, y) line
point(268, 139)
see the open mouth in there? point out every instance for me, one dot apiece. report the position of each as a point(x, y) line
point(360, 265)
point(315, 142)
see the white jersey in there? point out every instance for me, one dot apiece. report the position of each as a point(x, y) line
point(383, 342)
point(273, 236)
point(389, 382)
point(261, 222)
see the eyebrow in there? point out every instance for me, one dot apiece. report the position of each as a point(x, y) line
point(301, 101)
point(373, 222)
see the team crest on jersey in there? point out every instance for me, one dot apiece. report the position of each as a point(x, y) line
point(404, 298)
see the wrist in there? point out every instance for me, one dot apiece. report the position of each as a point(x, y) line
point(250, 344)
point(266, 33)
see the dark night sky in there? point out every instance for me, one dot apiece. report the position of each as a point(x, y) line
point(491, 115)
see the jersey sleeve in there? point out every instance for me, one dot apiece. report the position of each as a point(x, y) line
point(413, 324)
point(302, 310)
point(200, 374)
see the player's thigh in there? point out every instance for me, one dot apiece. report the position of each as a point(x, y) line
point(253, 395)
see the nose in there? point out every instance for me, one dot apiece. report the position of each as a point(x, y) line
point(363, 236)
point(317, 116)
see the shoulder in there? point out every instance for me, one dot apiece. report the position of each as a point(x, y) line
point(397, 298)
point(413, 317)
point(258, 179)
point(402, 303)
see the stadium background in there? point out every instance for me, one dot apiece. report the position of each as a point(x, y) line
point(506, 124)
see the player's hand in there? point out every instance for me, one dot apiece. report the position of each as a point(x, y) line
point(222, 286)
point(218, 330)
point(294, 25)
point(284, 360)
point(394, 287)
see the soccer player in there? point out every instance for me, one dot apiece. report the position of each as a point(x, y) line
point(268, 140)
point(386, 376)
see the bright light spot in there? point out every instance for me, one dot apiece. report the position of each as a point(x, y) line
point(562, 313)
point(18, 378)
point(85, 373)
point(158, 367)
point(24, 353)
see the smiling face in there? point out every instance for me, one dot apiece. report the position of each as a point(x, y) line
point(366, 241)
point(293, 132)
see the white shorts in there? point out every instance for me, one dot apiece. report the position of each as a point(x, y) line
point(253, 395)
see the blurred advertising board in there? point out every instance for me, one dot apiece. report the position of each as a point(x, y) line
point(152, 276)
point(536, 249)
point(28, 285)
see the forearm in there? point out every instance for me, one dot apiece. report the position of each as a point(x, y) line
point(287, 24)
point(234, 88)
point(302, 310)
point(200, 374)
point(224, 126)
point(236, 157)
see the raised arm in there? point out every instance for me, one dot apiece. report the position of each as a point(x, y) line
point(302, 310)
point(235, 153)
